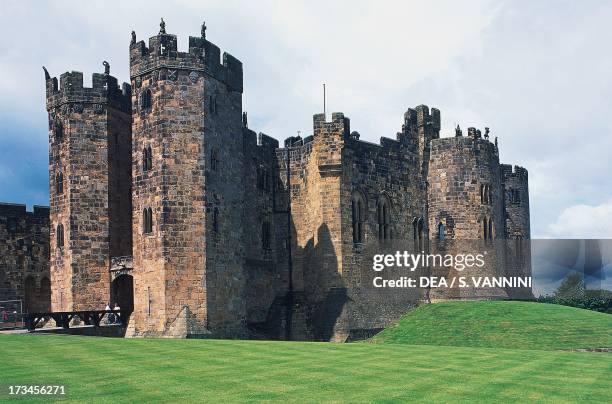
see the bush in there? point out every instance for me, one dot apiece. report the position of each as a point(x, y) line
point(601, 302)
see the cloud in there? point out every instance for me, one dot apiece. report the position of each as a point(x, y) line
point(533, 73)
point(583, 222)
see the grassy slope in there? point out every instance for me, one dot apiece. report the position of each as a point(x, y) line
point(521, 325)
point(116, 370)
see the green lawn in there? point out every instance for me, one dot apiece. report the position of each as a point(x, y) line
point(116, 370)
point(521, 325)
point(153, 370)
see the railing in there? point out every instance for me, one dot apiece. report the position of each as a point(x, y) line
point(63, 318)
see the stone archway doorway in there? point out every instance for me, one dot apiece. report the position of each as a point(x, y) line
point(122, 292)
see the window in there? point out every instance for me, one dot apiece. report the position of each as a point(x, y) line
point(214, 160)
point(263, 178)
point(358, 217)
point(266, 237)
point(486, 195)
point(514, 196)
point(384, 227)
point(59, 236)
point(487, 228)
point(145, 100)
point(417, 231)
point(441, 231)
point(215, 223)
point(147, 220)
point(212, 104)
point(59, 183)
point(147, 159)
point(58, 130)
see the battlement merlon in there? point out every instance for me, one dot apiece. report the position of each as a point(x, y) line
point(104, 90)
point(338, 123)
point(254, 140)
point(517, 171)
point(203, 56)
point(421, 116)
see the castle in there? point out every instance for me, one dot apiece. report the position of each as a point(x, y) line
point(163, 199)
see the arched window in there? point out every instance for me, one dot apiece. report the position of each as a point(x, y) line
point(212, 103)
point(214, 160)
point(59, 236)
point(441, 231)
point(147, 159)
point(486, 195)
point(417, 231)
point(215, 222)
point(358, 217)
point(58, 130)
point(59, 183)
point(487, 228)
point(266, 237)
point(383, 213)
point(145, 100)
point(147, 220)
point(263, 178)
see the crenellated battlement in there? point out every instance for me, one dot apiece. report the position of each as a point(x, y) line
point(20, 210)
point(105, 90)
point(481, 148)
point(203, 56)
point(518, 172)
point(255, 140)
point(421, 116)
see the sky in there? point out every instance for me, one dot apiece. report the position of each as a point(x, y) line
point(537, 73)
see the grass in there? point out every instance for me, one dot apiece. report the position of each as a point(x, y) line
point(521, 325)
point(166, 370)
point(116, 370)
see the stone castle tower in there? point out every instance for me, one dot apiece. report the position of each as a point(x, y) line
point(187, 126)
point(171, 205)
point(89, 160)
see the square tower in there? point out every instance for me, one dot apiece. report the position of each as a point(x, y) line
point(89, 186)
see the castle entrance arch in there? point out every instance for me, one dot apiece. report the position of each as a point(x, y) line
point(122, 292)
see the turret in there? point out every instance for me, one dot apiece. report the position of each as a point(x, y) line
point(516, 201)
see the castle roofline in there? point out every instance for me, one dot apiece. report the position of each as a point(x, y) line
point(104, 90)
point(203, 56)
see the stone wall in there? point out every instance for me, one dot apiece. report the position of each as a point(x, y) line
point(24, 257)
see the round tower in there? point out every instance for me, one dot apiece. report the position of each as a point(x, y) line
point(465, 209)
point(465, 189)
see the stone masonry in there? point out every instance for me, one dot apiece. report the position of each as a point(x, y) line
point(24, 257)
point(162, 198)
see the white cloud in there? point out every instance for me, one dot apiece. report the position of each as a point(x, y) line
point(534, 73)
point(583, 221)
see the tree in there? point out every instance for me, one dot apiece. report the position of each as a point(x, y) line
point(572, 287)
